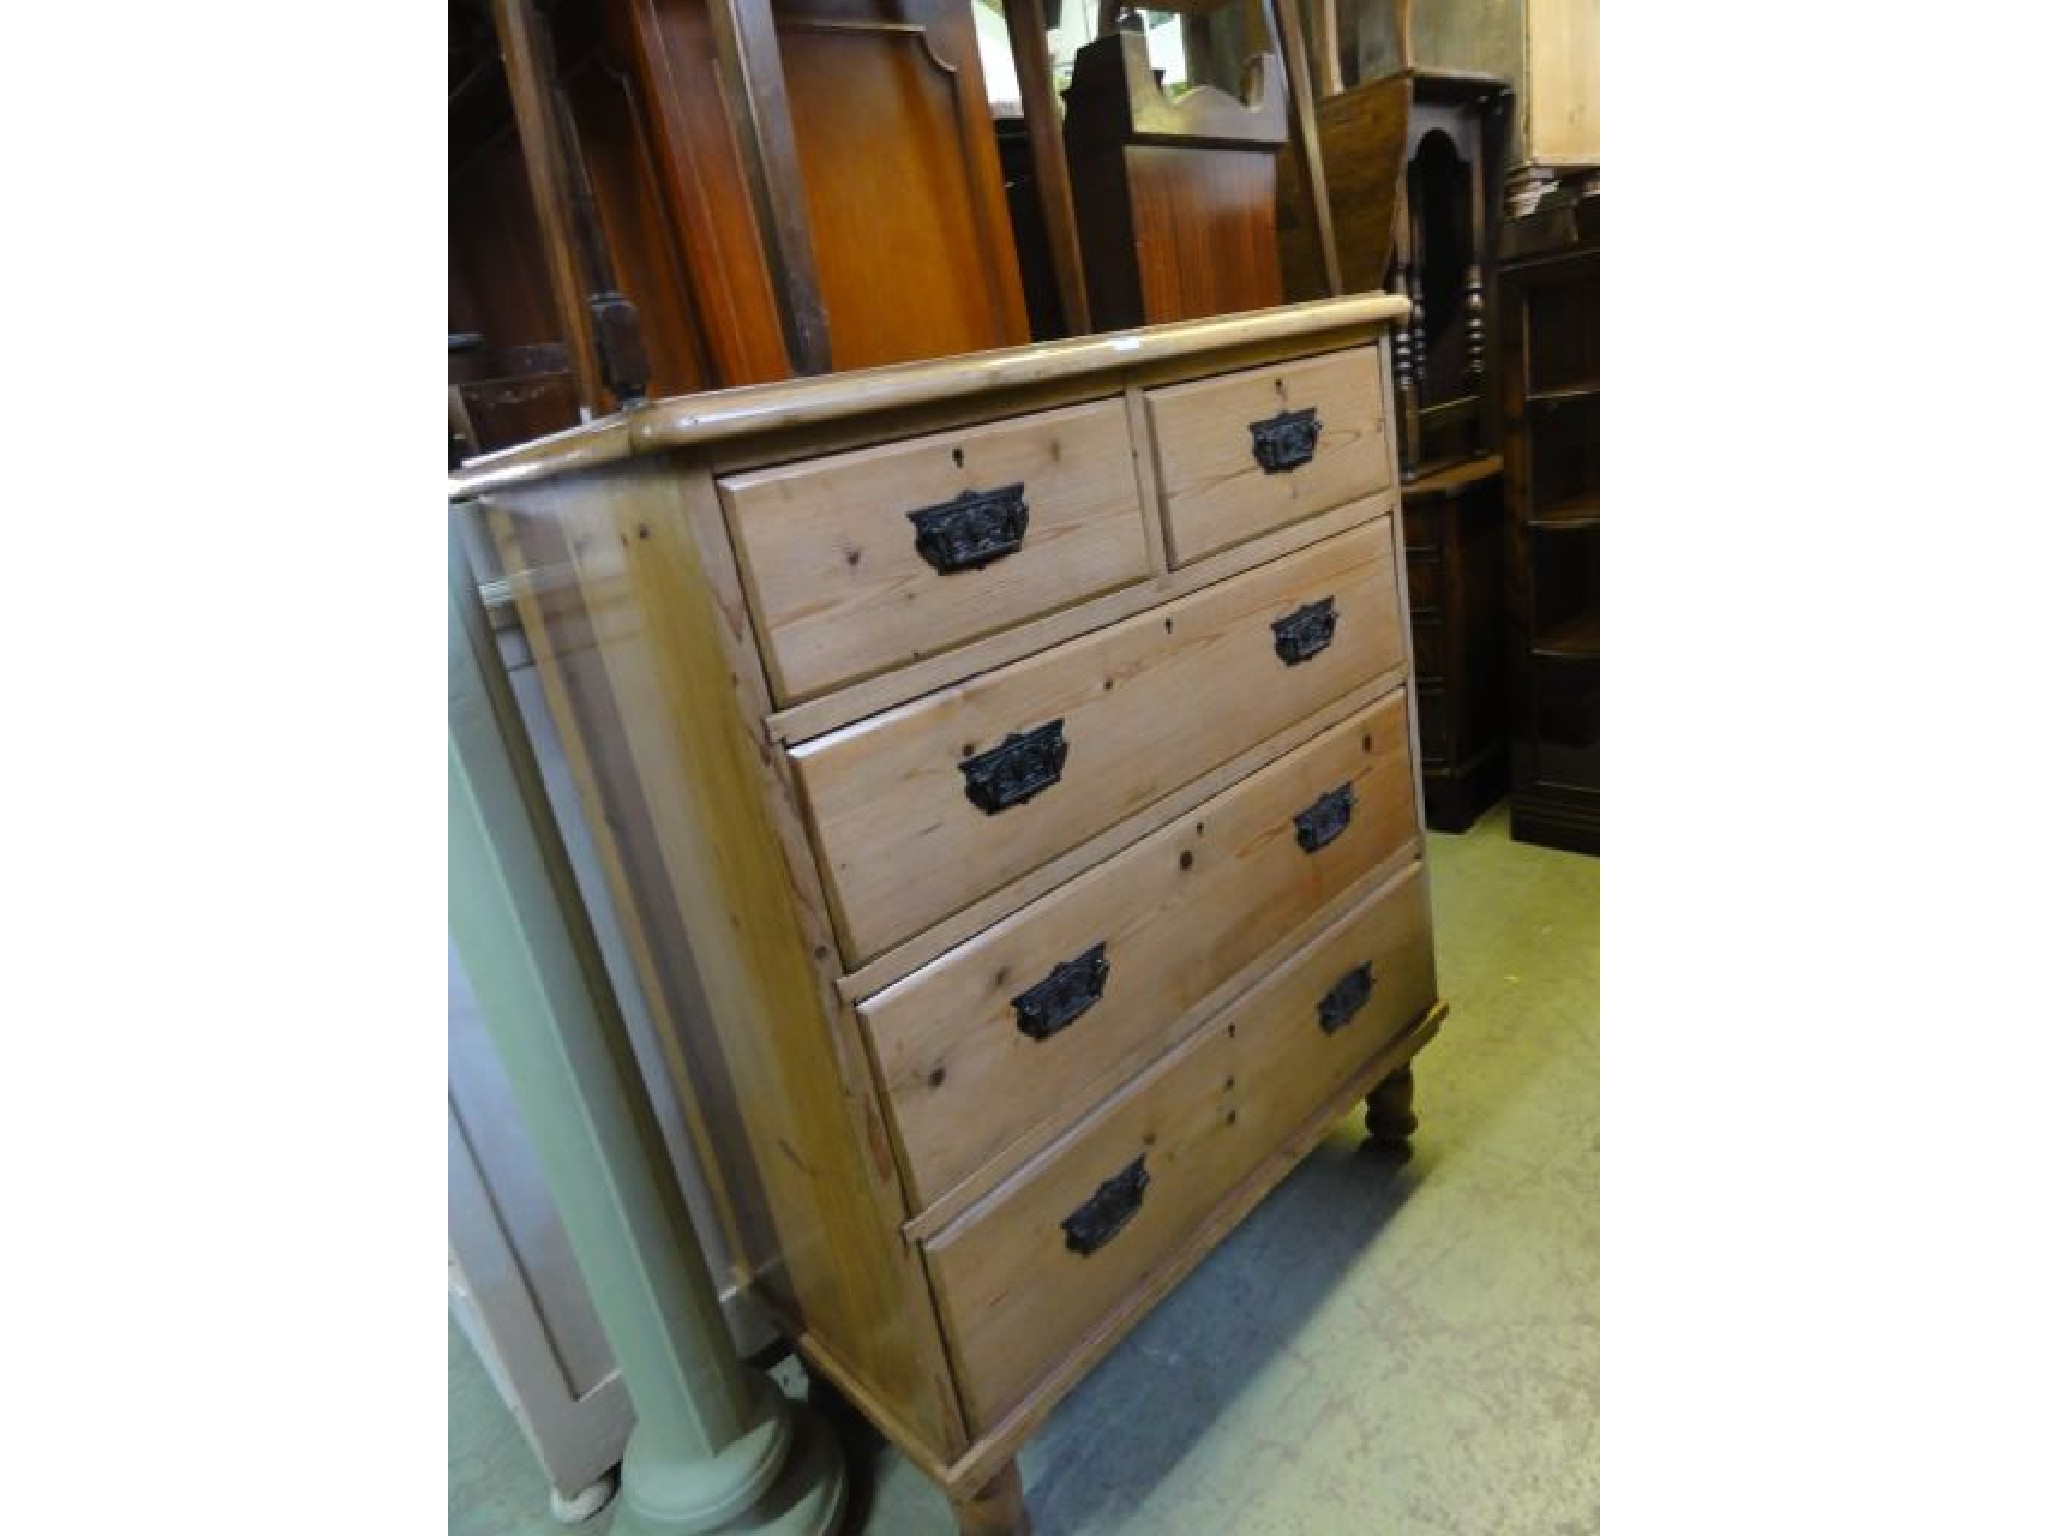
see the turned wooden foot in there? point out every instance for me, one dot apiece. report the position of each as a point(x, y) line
point(997, 1509)
point(1390, 1115)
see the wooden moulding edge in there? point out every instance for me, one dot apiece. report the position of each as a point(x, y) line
point(693, 420)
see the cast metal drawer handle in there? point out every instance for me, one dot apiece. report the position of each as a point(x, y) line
point(1010, 774)
point(1305, 631)
point(1341, 1003)
point(1287, 441)
point(973, 529)
point(1322, 823)
point(1068, 991)
point(1105, 1213)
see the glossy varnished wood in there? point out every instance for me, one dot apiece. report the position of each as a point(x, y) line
point(896, 162)
point(1174, 193)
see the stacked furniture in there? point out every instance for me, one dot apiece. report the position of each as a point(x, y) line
point(657, 196)
point(1414, 167)
point(1550, 359)
point(1174, 194)
point(1004, 769)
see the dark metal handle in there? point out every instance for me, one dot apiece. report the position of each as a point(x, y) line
point(972, 529)
point(1320, 825)
point(1286, 441)
point(1104, 1214)
point(1305, 631)
point(1342, 1002)
point(1070, 990)
point(1010, 774)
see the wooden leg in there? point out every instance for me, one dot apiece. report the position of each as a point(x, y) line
point(1390, 1115)
point(997, 1509)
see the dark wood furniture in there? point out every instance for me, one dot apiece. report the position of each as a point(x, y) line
point(1457, 584)
point(740, 192)
point(1174, 195)
point(1414, 167)
point(1004, 770)
point(1550, 364)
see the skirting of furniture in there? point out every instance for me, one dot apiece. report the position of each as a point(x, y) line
point(1006, 770)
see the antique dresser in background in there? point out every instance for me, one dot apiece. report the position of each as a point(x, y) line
point(1005, 771)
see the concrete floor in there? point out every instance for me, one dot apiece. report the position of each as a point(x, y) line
point(1376, 1351)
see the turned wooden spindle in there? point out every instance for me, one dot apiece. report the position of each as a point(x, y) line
point(1475, 344)
point(1404, 377)
point(1418, 338)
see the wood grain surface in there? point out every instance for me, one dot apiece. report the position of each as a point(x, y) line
point(1216, 492)
point(1144, 706)
point(1180, 914)
point(830, 554)
point(1016, 1296)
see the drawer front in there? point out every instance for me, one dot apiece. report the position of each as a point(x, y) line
point(846, 582)
point(1017, 1292)
point(1008, 1033)
point(925, 808)
point(1212, 434)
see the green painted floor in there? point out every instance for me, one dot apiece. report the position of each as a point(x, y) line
point(1376, 1351)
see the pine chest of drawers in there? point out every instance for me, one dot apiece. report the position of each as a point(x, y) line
point(1005, 771)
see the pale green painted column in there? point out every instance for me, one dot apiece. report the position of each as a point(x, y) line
point(717, 1448)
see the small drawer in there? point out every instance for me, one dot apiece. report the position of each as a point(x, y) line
point(1003, 1035)
point(929, 806)
point(864, 561)
point(1027, 1275)
point(1249, 452)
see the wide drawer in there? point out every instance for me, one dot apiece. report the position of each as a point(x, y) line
point(1023, 1278)
point(1249, 452)
point(864, 561)
point(926, 807)
point(1006, 1033)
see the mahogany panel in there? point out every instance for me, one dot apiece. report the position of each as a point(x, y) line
point(1207, 243)
point(676, 65)
point(640, 233)
point(902, 182)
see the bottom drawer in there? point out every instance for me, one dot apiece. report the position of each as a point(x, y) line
point(1025, 1277)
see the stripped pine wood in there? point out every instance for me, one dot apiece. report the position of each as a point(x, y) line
point(1176, 916)
point(1142, 707)
point(1016, 1278)
point(1216, 489)
point(837, 573)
